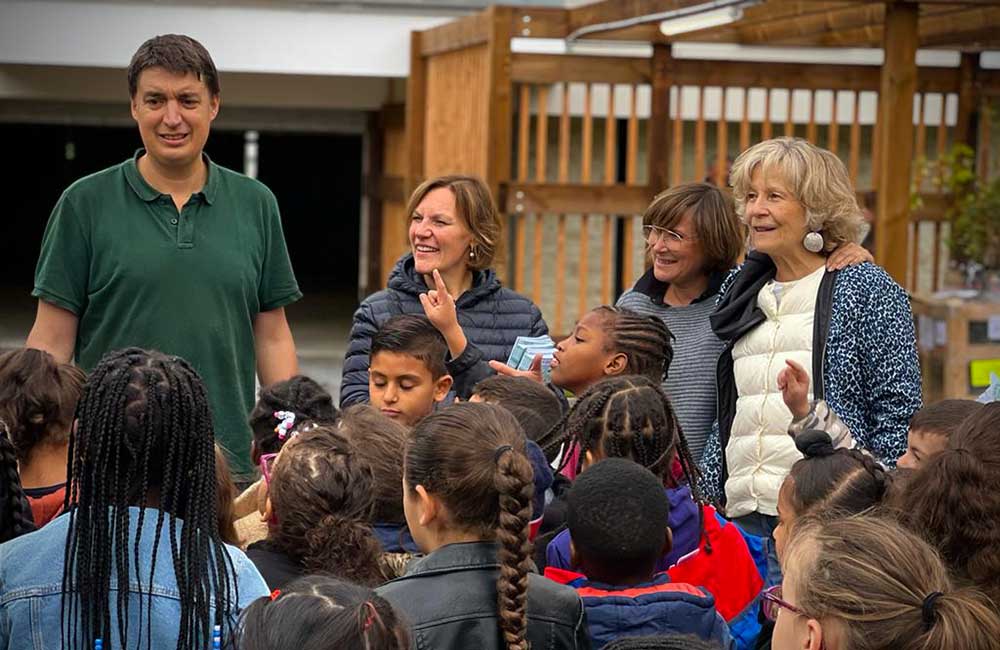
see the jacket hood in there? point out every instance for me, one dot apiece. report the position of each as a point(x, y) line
point(404, 278)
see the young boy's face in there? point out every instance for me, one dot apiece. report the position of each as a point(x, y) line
point(401, 386)
point(920, 447)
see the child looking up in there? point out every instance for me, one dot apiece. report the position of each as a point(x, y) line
point(630, 417)
point(865, 583)
point(467, 498)
point(379, 442)
point(622, 592)
point(407, 376)
point(932, 426)
point(38, 398)
point(320, 500)
point(319, 613)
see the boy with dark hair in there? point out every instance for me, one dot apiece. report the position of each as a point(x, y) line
point(407, 375)
point(617, 515)
point(931, 427)
point(523, 393)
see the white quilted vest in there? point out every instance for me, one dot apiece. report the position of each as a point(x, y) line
point(760, 452)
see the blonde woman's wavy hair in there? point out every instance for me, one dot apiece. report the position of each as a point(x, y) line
point(817, 178)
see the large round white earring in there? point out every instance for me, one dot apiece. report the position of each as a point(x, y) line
point(813, 242)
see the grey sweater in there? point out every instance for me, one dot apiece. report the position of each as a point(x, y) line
point(691, 381)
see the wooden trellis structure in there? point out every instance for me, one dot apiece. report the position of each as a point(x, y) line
point(574, 147)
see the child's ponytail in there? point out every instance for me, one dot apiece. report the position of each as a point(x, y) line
point(515, 489)
point(958, 619)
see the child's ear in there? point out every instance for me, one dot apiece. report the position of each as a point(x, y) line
point(263, 498)
point(268, 515)
point(616, 365)
point(668, 542)
point(814, 636)
point(442, 386)
point(428, 506)
point(588, 459)
point(574, 555)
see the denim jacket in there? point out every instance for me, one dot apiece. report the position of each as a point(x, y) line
point(31, 574)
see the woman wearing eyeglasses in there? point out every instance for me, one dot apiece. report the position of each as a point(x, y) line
point(694, 240)
point(837, 596)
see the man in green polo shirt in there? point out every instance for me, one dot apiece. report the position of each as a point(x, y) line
point(170, 251)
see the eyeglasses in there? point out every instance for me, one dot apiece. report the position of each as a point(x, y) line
point(773, 604)
point(653, 234)
point(266, 463)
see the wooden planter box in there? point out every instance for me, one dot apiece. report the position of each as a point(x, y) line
point(959, 344)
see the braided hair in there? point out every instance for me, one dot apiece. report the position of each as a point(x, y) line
point(626, 416)
point(472, 457)
point(144, 428)
point(323, 495)
point(15, 515)
point(300, 395)
point(644, 340)
point(320, 612)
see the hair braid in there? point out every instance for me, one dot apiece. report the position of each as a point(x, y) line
point(645, 340)
point(15, 514)
point(515, 488)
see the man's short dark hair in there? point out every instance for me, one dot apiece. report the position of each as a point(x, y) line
point(617, 514)
point(943, 418)
point(175, 53)
point(415, 336)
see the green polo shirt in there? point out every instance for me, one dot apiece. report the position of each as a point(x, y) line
point(117, 253)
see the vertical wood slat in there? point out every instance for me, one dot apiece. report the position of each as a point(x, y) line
point(699, 136)
point(833, 137)
point(811, 134)
point(985, 128)
point(855, 155)
point(938, 243)
point(721, 144)
point(523, 140)
point(876, 137)
point(678, 155)
point(942, 145)
point(610, 174)
point(745, 122)
point(564, 137)
point(588, 154)
point(631, 168)
point(913, 277)
point(789, 122)
point(765, 127)
point(920, 148)
point(541, 161)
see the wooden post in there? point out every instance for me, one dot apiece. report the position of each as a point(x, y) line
point(658, 150)
point(968, 99)
point(897, 88)
point(416, 114)
point(500, 136)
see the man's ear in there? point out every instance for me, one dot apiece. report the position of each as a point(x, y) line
point(616, 365)
point(442, 386)
point(215, 102)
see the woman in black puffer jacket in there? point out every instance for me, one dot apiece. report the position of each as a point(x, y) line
point(454, 230)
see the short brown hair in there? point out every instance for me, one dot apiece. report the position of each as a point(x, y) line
point(943, 418)
point(379, 441)
point(721, 234)
point(178, 54)
point(475, 206)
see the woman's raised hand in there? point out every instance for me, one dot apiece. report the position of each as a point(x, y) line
point(439, 306)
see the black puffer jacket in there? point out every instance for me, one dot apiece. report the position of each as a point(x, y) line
point(450, 599)
point(491, 316)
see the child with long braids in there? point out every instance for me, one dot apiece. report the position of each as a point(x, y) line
point(467, 497)
point(282, 410)
point(38, 397)
point(136, 561)
point(320, 613)
point(15, 515)
point(630, 417)
point(320, 498)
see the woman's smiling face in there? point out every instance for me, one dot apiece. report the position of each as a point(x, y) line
point(777, 220)
point(439, 236)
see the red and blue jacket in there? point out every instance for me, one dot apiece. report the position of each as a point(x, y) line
point(658, 607)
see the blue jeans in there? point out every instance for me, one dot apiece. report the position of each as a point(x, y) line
point(763, 526)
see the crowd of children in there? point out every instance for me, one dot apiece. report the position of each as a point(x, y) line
point(447, 513)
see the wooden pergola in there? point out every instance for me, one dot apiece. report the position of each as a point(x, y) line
point(471, 103)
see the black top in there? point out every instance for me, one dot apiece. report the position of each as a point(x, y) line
point(277, 568)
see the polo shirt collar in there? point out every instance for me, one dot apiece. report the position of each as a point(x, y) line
point(148, 193)
point(650, 286)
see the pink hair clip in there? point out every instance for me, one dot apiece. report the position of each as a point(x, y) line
point(285, 424)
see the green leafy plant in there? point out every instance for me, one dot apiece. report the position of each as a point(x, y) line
point(975, 226)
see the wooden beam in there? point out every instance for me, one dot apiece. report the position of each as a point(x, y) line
point(545, 198)
point(898, 86)
point(968, 98)
point(608, 11)
point(416, 113)
point(457, 34)
point(658, 145)
point(500, 113)
point(556, 68)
